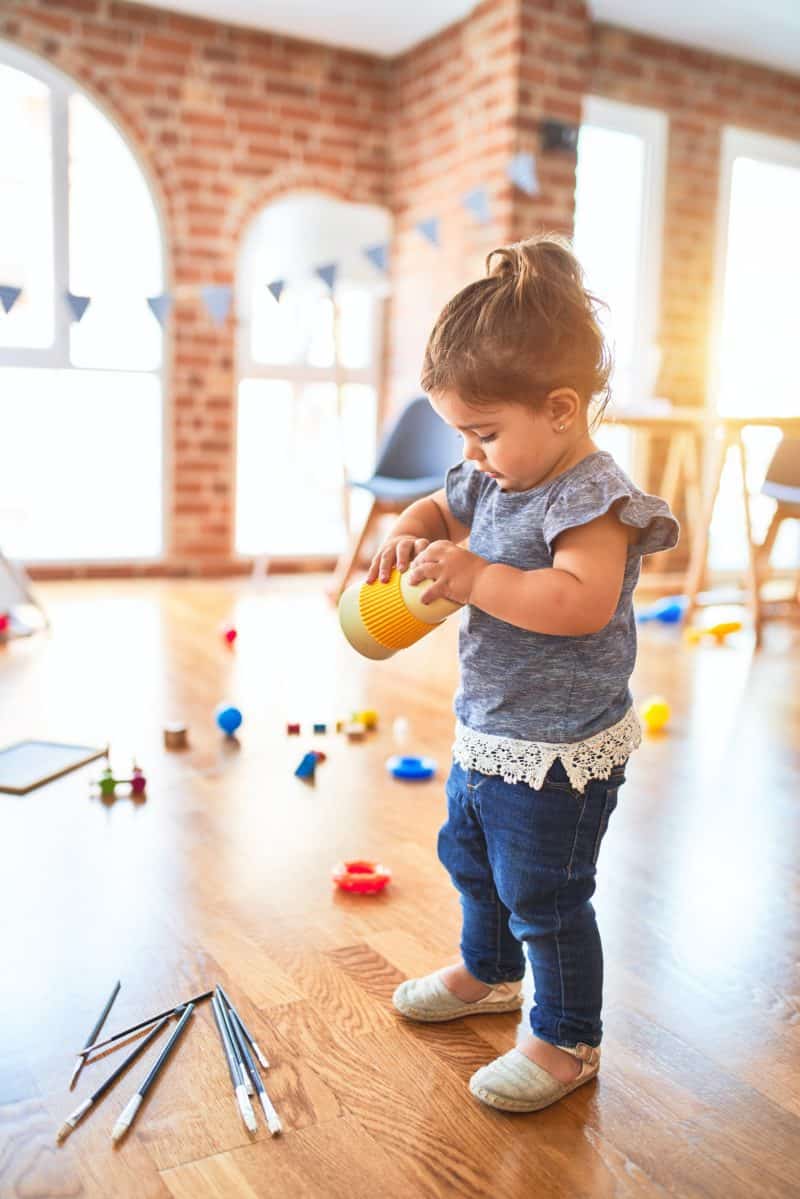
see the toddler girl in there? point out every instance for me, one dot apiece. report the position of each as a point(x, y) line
point(545, 723)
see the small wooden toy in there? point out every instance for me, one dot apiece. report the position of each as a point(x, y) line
point(361, 877)
point(293, 730)
point(718, 631)
point(228, 718)
point(176, 736)
point(340, 726)
point(229, 633)
point(655, 713)
point(320, 728)
point(320, 756)
point(356, 731)
point(368, 718)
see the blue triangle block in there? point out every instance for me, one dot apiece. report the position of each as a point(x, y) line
point(378, 256)
point(78, 305)
point(9, 296)
point(522, 171)
point(477, 202)
point(160, 306)
point(307, 767)
point(217, 299)
point(327, 274)
point(429, 229)
point(276, 288)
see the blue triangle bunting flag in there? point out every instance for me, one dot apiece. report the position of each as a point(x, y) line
point(160, 306)
point(477, 202)
point(217, 299)
point(276, 288)
point(378, 256)
point(327, 274)
point(522, 171)
point(78, 304)
point(9, 296)
point(429, 229)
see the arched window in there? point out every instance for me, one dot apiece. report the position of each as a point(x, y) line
point(81, 411)
point(308, 372)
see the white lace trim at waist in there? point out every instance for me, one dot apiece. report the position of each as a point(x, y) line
point(529, 761)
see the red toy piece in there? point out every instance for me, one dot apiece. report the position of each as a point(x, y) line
point(5, 621)
point(319, 755)
point(138, 782)
point(229, 633)
point(364, 878)
point(293, 730)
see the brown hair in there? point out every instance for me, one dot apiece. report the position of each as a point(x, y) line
point(528, 327)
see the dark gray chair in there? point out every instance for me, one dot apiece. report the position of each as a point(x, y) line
point(413, 459)
point(782, 484)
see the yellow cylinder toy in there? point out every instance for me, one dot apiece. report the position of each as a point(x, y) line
point(379, 618)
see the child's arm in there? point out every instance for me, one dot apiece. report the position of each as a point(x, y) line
point(577, 595)
point(422, 522)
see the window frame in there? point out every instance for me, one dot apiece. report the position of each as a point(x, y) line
point(652, 126)
point(735, 142)
point(57, 356)
point(247, 367)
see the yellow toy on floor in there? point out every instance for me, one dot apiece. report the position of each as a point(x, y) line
point(718, 631)
point(655, 713)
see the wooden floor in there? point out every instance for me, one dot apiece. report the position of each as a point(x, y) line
point(222, 875)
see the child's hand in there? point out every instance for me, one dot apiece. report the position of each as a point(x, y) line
point(455, 570)
point(397, 551)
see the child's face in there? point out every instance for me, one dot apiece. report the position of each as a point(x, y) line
point(518, 445)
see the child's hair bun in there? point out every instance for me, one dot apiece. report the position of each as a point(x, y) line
point(543, 272)
point(527, 327)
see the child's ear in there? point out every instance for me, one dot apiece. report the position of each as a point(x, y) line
point(563, 407)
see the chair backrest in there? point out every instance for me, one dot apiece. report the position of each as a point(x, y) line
point(418, 445)
point(782, 480)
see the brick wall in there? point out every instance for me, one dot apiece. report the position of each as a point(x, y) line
point(464, 103)
point(224, 119)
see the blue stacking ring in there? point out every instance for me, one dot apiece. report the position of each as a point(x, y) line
point(409, 768)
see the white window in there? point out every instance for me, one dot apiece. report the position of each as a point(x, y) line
point(756, 325)
point(618, 232)
point(308, 373)
point(80, 403)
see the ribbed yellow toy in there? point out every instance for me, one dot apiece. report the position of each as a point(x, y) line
point(378, 618)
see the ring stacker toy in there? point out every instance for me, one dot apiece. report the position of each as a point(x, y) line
point(176, 736)
point(411, 769)
point(362, 877)
point(379, 618)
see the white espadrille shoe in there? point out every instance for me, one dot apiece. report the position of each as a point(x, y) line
point(429, 1000)
point(514, 1083)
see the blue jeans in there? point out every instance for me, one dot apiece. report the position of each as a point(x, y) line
point(524, 862)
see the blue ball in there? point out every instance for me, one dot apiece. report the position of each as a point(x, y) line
point(228, 719)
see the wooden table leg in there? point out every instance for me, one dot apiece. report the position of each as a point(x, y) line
point(753, 590)
point(698, 555)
